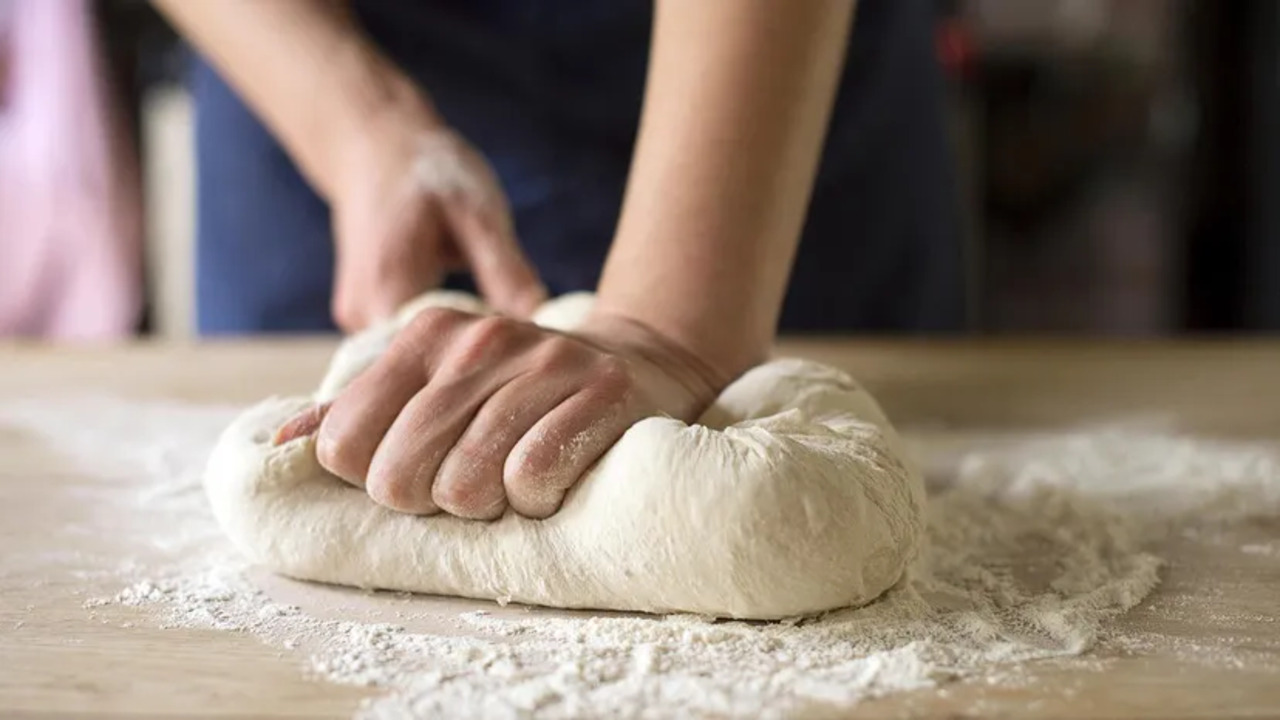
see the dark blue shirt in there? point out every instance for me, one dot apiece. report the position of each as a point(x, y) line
point(551, 91)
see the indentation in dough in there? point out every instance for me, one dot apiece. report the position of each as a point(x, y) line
point(791, 496)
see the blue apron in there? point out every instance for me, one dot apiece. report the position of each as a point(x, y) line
point(550, 91)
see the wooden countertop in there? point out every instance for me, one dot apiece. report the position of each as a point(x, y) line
point(56, 659)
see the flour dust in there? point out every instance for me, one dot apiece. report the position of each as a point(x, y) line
point(1034, 544)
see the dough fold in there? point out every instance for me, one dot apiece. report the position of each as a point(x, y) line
point(790, 496)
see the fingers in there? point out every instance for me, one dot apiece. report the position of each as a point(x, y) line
point(397, 238)
point(386, 260)
point(478, 365)
point(560, 447)
point(403, 469)
point(503, 273)
point(472, 415)
point(361, 415)
point(300, 425)
point(469, 481)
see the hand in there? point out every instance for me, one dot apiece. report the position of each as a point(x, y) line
point(412, 201)
point(471, 415)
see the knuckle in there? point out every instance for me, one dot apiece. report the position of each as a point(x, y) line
point(432, 321)
point(556, 353)
point(453, 496)
point(534, 460)
point(492, 330)
point(397, 490)
point(423, 331)
point(392, 492)
point(485, 338)
point(533, 493)
point(469, 498)
point(468, 457)
point(529, 476)
point(336, 452)
point(612, 378)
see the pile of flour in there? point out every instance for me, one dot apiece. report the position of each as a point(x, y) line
point(1034, 543)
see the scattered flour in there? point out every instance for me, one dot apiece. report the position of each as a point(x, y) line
point(1269, 549)
point(1034, 545)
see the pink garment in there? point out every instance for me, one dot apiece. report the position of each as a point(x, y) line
point(70, 219)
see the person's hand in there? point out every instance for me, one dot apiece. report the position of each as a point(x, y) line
point(412, 201)
point(470, 415)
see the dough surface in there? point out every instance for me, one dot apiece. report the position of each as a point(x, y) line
point(790, 496)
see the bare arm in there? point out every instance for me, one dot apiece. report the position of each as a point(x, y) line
point(304, 67)
point(471, 415)
point(736, 109)
point(361, 132)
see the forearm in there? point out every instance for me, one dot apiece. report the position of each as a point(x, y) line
point(303, 66)
point(736, 108)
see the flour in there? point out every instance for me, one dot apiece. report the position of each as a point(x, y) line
point(1034, 545)
point(790, 497)
point(1271, 549)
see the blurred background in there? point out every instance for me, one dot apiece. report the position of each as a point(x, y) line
point(1120, 166)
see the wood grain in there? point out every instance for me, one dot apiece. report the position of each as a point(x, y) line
point(1216, 638)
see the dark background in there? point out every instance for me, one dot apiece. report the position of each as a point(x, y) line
point(1121, 159)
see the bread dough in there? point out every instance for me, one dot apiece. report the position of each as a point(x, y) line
point(789, 497)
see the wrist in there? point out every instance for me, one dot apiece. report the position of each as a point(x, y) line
point(372, 101)
point(684, 384)
point(706, 364)
point(688, 295)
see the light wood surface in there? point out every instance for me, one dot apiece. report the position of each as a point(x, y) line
point(57, 658)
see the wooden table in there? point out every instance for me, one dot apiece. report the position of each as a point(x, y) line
point(55, 659)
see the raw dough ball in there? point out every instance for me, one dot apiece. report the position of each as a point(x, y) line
point(360, 350)
point(791, 496)
point(565, 312)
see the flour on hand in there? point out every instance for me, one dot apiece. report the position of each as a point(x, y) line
point(789, 497)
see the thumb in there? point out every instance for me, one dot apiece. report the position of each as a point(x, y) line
point(381, 266)
point(506, 278)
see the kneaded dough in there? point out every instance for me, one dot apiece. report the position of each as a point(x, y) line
point(790, 496)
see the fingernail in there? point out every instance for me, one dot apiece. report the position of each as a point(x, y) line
point(304, 423)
